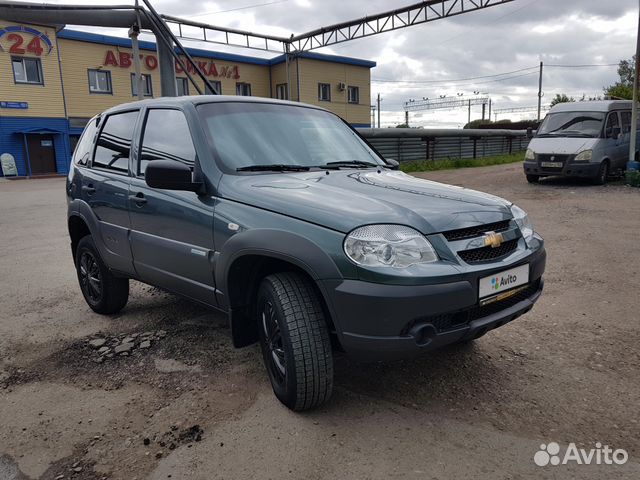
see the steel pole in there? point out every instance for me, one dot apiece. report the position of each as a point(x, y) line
point(540, 92)
point(379, 110)
point(633, 164)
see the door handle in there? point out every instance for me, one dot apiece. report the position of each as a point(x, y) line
point(88, 189)
point(138, 198)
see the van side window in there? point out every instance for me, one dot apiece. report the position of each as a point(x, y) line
point(114, 143)
point(166, 137)
point(626, 122)
point(612, 123)
point(83, 150)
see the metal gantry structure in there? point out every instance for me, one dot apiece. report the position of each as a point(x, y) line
point(498, 111)
point(447, 103)
point(169, 30)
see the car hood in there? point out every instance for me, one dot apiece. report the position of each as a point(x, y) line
point(561, 145)
point(345, 199)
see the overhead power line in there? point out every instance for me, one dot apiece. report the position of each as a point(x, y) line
point(246, 7)
point(452, 80)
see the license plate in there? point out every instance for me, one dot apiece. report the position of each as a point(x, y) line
point(551, 164)
point(503, 281)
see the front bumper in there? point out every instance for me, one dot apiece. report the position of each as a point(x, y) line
point(387, 322)
point(569, 169)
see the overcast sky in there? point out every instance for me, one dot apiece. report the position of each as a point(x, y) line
point(499, 39)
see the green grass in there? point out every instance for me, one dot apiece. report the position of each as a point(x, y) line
point(633, 178)
point(450, 163)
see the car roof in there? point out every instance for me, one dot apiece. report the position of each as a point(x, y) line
point(200, 99)
point(592, 106)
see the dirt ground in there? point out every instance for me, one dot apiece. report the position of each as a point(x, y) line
point(192, 407)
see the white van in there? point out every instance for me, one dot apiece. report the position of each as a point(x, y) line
point(581, 139)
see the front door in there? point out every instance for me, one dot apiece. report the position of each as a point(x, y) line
point(171, 231)
point(42, 154)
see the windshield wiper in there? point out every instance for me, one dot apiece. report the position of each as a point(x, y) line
point(274, 167)
point(350, 163)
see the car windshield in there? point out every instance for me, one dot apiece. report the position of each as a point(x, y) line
point(572, 124)
point(252, 136)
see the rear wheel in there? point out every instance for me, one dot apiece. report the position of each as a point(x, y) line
point(533, 178)
point(603, 174)
point(103, 292)
point(295, 341)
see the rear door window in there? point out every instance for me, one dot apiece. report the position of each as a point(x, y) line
point(166, 137)
point(114, 143)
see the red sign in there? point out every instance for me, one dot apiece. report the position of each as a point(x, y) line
point(23, 40)
point(209, 68)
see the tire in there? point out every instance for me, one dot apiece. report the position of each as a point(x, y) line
point(533, 178)
point(295, 341)
point(603, 174)
point(103, 292)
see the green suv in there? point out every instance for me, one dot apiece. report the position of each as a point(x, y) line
point(280, 215)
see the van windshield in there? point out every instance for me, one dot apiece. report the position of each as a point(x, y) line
point(263, 136)
point(572, 124)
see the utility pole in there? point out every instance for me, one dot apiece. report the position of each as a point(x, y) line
point(133, 35)
point(379, 100)
point(489, 116)
point(633, 164)
point(373, 116)
point(406, 118)
point(484, 108)
point(469, 120)
point(540, 92)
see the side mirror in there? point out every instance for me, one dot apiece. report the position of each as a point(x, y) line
point(170, 175)
point(392, 163)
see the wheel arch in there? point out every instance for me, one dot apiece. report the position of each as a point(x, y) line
point(78, 228)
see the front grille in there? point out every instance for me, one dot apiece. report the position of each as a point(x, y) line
point(450, 321)
point(478, 230)
point(556, 158)
point(485, 254)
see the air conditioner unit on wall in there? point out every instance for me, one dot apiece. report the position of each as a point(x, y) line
point(341, 86)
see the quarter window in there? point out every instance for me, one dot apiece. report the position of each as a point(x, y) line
point(182, 84)
point(83, 149)
point(100, 81)
point(626, 122)
point(281, 91)
point(27, 70)
point(114, 143)
point(612, 123)
point(166, 137)
point(324, 92)
point(146, 82)
point(353, 94)
point(217, 85)
point(243, 89)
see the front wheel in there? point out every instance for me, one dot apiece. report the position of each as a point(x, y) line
point(603, 174)
point(295, 341)
point(103, 292)
point(533, 178)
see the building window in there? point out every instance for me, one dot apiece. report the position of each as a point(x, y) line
point(353, 94)
point(243, 89)
point(100, 81)
point(281, 91)
point(215, 84)
point(182, 84)
point(148, 87)
point(324, 92)
point(27, 70)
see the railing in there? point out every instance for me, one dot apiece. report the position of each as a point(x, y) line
point(410, 144)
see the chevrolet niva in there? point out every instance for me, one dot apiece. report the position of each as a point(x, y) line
point(280, 215)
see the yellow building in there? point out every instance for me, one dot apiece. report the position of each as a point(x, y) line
point(54, 81)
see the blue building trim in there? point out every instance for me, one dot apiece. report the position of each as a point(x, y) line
point(197, 52)
point(13, 140)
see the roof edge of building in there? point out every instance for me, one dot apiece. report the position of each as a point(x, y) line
point(78, 35)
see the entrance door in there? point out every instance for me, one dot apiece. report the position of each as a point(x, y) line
point(42, 154)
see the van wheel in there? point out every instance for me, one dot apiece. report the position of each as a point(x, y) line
point(295, 341)
point(103, 292)
point(533, 178)
point(603, 174)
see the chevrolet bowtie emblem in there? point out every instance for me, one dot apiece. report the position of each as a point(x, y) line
point(493, 239)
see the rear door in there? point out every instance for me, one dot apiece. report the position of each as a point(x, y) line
point(171, 230)
point(614, 144)
point(105, 186)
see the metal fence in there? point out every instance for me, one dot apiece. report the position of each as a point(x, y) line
point(409, 144)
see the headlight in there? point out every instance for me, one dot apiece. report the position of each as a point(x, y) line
point(529, 155)
point(584, 156)
point(523, 222)
point(388, 246)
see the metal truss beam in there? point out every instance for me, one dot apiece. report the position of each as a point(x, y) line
point(443, 103)
point(415, 14)
point(519, 109)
